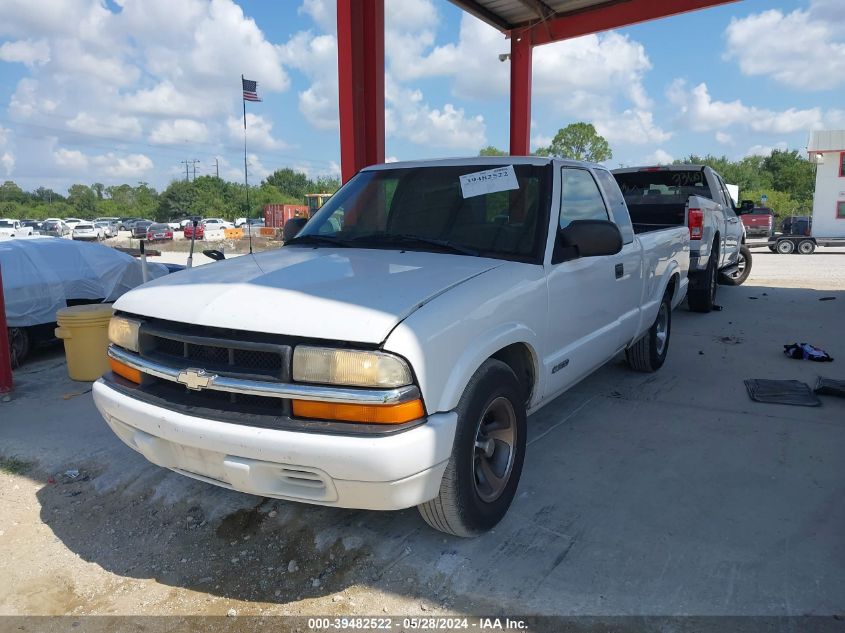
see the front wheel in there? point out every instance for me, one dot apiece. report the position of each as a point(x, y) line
point(483, 472)
point(743, 268)
point(19, 344)
point(649, 353)
point(785, 247)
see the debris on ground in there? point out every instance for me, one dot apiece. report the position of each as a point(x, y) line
point(68, 396)
point(827, 298)
point(830, 387)
point(792, 392)
point(72, 473)
point(293, 566)
point(805, 351)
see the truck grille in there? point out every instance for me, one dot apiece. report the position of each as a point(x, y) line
point(214, 350)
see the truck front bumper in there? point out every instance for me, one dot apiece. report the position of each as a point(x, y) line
point(368, 472)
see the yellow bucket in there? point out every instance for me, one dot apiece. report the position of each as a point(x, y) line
point(85, 332)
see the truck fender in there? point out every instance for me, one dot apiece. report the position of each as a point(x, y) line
point(479, 350)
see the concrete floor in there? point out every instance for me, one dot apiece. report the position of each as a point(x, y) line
point(663, 494)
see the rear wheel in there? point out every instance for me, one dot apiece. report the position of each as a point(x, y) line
point(487, 455)
point(785, 247)
point(649, 353)
point(743, 268)
point(806, 247)
point(18, 345)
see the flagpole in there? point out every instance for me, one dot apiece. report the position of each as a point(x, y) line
point(246, 177)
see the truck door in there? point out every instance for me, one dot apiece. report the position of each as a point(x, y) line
point(584, 308)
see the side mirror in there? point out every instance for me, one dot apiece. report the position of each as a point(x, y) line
point(746, 206)
point(292, 227)
point(591, 238)
point(213, 253)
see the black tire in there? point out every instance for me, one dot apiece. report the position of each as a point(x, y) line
point(806, 247)
point(649, 353)
point(703, 297)
point(785, 247)
point(743, 269)
point(19, 344)
point(493, 398)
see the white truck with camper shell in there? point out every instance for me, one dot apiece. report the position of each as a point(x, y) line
point(697, 197)
point(389, 354)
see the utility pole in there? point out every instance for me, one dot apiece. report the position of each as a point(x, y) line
point(192, 163)
point(217, 167)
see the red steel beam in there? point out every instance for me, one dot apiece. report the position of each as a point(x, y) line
point(608, 16)
point(520, 96)
point(6, 382)
point(360, 67)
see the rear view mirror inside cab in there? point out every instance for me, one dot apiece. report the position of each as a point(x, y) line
point(587, 238)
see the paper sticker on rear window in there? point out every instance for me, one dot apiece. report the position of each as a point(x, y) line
point(488, 181)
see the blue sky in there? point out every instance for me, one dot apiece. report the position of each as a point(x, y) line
point(123, 90)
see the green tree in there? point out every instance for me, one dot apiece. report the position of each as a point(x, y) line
point(791, 172)
point(578, 141)
point(10, 192)
point(83, 199)
point(98, 188)
point(290, 182)
point(491, 151)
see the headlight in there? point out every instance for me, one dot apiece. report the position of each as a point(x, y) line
point(354, 368)
point(124, 332)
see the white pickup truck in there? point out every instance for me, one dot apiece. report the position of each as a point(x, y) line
point(389, 354)
point(13, 228)
point(694, 196)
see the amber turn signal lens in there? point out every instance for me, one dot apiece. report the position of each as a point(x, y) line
point(133, 375)
point(369, 414)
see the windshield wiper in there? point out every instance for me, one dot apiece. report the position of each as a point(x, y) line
point(390, 238)
point(328, 240)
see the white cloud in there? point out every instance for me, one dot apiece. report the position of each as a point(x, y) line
point(110, 126)
point(28, 52)
point(70, 158)
point(802, 49)
point(27, 101)
point(660, 157)
point(316, 57)
point(259, 131)
point(701, 113)
point(765, 150)
point(323, 12)
point(7, 159)
point(131, 166)
point(724, 139)
point(179, 131)
point(630, 126)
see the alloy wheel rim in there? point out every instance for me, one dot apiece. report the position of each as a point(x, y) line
point(662, 328)
point(494, 449)
point(740, 266)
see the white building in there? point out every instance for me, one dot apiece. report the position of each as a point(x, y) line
point(827, 150)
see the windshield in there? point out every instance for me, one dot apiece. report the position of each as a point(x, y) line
point(495, 211)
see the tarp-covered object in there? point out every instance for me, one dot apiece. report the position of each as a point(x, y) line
point(41, 274)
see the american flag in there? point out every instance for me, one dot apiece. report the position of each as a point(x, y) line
point(250, 89)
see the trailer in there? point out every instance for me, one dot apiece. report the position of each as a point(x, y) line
point(826, 226)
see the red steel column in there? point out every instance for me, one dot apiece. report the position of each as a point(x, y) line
point(521, 49)
point(360, 67)
point(6, 384)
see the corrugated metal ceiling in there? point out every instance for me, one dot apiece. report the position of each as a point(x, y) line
point(509, 14)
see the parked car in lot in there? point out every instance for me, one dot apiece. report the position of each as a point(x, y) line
point(159, 233)
point(86, 231)
point(35, 225)
point(72, 222)
point(196, 233)
point(10, 227)
point(139, 228)
point(107, 228)
point(126, 224)
point(759, 222)
point(55, 228)
point(108, 219)
point(215, 224)
point(694, 196)
point(389, 354)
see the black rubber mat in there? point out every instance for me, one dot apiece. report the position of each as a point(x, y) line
point(830, 387)
point(782, 392)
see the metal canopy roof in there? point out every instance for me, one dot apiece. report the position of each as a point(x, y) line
point(507, 15)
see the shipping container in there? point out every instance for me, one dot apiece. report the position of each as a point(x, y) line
point(275, 215)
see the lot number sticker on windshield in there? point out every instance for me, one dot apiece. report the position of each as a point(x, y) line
point(489, 181)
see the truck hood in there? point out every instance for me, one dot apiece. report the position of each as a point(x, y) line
point(327, 293)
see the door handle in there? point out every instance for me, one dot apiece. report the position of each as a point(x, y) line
point(620, 270)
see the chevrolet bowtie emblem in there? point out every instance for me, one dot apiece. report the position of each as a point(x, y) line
point(195, 379)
